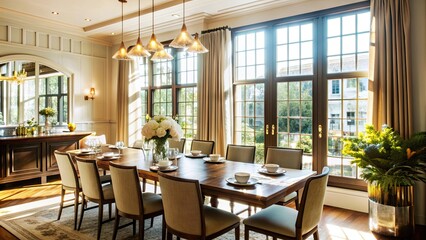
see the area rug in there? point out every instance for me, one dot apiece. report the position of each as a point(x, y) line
point(40, 223)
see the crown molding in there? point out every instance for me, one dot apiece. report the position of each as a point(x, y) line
point(21, 20)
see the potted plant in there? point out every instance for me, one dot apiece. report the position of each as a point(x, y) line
point(47, 112)
point(391, 166)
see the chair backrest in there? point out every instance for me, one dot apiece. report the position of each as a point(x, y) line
point(182, 204)
point(179, 144)
point(127, 189)
point(205, 146)
point(67, 169)
point(89, 176)
point(240, 153)
point(312, 202)
point(285, 157)
point(138, 144)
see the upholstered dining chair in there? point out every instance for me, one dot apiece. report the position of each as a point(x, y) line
point(288, 223)
point(286, 158)
point(93, 190)
point(179, 144)
point(138, 144)
point(240, 153)
point(187, 217)
point(205, 146)
point(130, 202)
point(71, 181)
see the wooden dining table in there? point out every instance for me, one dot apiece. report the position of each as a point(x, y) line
point(269, 190)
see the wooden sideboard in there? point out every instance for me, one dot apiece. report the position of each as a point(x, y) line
point(29, 157)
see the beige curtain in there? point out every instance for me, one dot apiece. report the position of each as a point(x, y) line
point(215, 90)
point(122, 101)
point(391, 68)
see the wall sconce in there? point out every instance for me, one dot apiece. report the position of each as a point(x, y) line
point(91, 94)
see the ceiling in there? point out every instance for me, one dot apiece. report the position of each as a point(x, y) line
point(105, 15)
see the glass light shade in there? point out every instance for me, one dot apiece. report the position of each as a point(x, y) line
point(153, 45)
point(138, 50)
point(161, 55)
point(121, 54)
point(197, 46)
point(183, 40)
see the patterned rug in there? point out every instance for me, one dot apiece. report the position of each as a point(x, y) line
point(39, 222)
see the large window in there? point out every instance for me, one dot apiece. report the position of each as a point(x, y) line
point(43, 87)
point(303, 84)
point(170, 88)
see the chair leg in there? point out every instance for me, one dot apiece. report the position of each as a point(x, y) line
point(109, 210)
point(83, 205)
point(76, 200)
point(143, 185)
point(237, 232)
point(134, 227)
point(152, 222)
point(170, 236)
point(163, 230)
point(61, 205)
point(246, 233)
point(316, 235)
point(296, 200)
point(249, 210)
point(141, 228)
point(100, 217)
point(116, 224)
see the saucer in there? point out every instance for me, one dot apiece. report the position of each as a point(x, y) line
point(221, 160)
point(278, 172)
point(251, 182)
point(108, 158)
point(114, 147)
point(168, 169)
point(198, 156)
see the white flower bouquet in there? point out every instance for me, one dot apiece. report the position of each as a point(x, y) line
point(159, 129)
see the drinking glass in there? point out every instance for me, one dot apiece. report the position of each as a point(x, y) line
point(119, 145)
point(172, 153)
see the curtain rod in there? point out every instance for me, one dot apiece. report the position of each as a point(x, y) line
point(215, 29)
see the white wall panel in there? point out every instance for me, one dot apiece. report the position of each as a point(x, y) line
point(16, 35)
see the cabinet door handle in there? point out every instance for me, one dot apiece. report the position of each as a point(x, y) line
point(273, 130)
point(267, 129)
point(320, 131)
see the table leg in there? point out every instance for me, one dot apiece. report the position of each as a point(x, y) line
point(214, 201)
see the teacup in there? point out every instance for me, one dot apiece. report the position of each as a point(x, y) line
point(195, 152)
point(108, 154)
point(271, 168)
point(242, 177)
point(164, 164)
point(214, 157)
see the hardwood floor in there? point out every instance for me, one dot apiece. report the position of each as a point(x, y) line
point(336, 223)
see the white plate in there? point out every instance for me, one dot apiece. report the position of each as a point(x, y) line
point(107, 158)
point(278, 172)
point(114, 147)
point(198, 156)
point(85, 150)
point(221, 160)
point(251, 182)
point(169, 169)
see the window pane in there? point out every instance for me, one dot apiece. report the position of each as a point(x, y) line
point(250, 59)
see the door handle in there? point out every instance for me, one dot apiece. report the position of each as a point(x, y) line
point(320, 131)
point(267, 129)
point(273, 130)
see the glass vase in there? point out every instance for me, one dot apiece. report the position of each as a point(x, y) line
point(159, 149)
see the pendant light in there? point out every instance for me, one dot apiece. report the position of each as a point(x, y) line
point(197, 46)
point(121, 54)
point(184, 39)
point(138, 50)
point(161, 55)
point(153, 45)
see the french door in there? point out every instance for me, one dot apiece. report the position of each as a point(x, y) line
point(303, 84)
